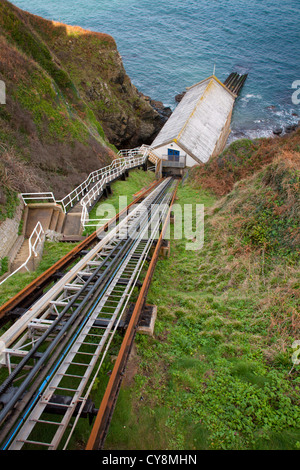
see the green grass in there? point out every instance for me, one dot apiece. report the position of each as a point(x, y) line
point(30, 45)
point(46, 89)
point(47, 106)
point(215, 375)
point(3, 265)
point(8, 209)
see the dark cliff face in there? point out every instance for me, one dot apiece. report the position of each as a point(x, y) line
point(69, 104)
point(95, 67)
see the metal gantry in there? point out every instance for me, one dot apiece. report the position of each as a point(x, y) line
point(56, 350)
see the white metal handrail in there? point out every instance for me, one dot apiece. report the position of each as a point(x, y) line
point(75, 196)
point(37, 197)
point(92, 187)
point(39, 235)
point(127, 159)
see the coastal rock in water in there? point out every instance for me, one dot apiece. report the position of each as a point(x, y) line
point(95, 66)
point(291, 128)
point(278, 131)
point(179, 97)
point(163, 111)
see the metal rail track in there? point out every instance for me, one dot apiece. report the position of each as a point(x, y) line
point(69, 330)
point(104, 415)
point(27, 296)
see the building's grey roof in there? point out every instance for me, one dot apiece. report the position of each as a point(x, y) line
point(198, 120)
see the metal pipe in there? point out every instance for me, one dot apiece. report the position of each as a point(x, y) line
point(98, 285)
point(46, 277)
point(99, 430)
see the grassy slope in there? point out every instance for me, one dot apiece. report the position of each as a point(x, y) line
point(52, 253)
point(45, 125)
point(128, 119)
point(218, 372)
point(241, 159)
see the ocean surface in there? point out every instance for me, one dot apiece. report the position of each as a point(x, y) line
point(167, 45)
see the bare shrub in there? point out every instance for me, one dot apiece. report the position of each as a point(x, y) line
point(17, 174)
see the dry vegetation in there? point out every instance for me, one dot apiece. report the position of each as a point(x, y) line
point(218, 373)
point(241, 159)
point(18, 174)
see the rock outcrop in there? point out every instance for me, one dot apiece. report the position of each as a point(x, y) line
point(95, 66)
point(69, 105)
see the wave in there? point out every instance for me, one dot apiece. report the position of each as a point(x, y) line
point(250, 96)
point(251, 134)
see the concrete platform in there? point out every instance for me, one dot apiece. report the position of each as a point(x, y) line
point(147, 318)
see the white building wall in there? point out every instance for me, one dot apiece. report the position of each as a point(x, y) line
point(199, 124)
point(190, 161)
point(162, 152)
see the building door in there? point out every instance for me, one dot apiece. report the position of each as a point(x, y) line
point(173, 155)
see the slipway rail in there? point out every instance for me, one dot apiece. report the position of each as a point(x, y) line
point(25, 298)
point(133, 158)
point(104, 415)
point(235, 82)
point(56, 350)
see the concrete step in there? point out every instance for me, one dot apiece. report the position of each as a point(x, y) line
point(72, 238)
point(35, 215)
point(54, 220)
point(60, 222)
point(152, 157)
point(21, 257)
point(72, 224)
point(76, 209)
point(51, 216)
point(24, 249)
point(15, 250)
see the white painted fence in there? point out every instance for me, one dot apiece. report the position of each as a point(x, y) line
point(35, 242)
point(92, 188)
point(38, 197)
point(117, 168)
point(96, 181)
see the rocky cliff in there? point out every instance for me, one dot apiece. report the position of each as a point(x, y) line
point(69, 105)
point(95, 67)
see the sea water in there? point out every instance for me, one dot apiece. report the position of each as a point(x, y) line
point(168, 45)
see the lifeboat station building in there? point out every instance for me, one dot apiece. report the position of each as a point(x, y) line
point(198, 128)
